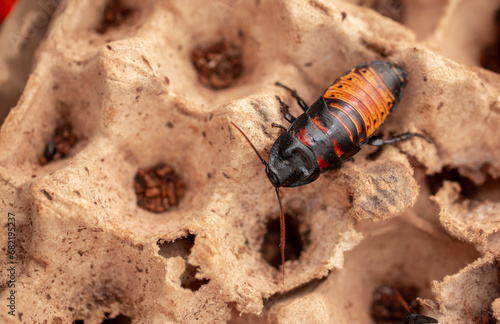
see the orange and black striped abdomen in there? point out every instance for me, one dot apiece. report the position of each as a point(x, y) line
point(367, 95)
point(350, 111)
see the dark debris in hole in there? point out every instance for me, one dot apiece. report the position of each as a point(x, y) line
point(483, 318)
point(294, 243)
point(219, 65)
point(387, 308)
point(158, 188)
point(120, 319)
point(393, 9)
point(435, 181)
point(61, 143)
point(188, 279)
point(182, 248)
point(490, 55)
point(115, 14)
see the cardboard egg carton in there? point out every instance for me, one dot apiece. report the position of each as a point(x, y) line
point(125, 81)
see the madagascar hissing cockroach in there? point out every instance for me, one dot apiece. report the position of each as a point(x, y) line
point(334, 127)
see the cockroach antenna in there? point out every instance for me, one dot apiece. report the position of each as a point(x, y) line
point(282, 214)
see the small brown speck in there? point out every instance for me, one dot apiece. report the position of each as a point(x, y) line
point(49, 197)
point(145, 60)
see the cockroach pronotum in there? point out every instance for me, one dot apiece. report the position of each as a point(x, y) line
point(333, 128)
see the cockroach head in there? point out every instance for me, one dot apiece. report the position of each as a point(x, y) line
point(291, 163)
